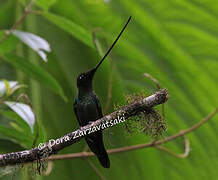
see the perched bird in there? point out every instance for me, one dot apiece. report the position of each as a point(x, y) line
point(87, 108)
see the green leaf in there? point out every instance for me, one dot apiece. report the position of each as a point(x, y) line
point(24, 111)
point(11, 115)
point(12, 134)
point(75, 30)
point(16, 136)
point(7, 44)
point(20, 126)
point(35, 72)
point(17, 130)
point(45, 4)
point(174, 41)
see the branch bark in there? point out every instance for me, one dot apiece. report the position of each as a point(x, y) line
point(47, 149)
point(141, 146)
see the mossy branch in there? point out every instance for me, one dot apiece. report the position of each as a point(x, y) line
point(42, 152)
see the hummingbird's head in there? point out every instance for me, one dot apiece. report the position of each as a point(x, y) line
point(84, 80)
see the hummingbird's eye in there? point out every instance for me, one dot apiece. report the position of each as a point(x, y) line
point(81, 76)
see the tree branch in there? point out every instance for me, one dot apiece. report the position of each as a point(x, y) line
point(140, 146)
point(46, 149)
point(184, 155)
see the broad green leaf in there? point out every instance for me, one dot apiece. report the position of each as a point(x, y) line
point(35, 72)
point(12, 116)
point(35, 42)
point(23, 2)
point(19, 125)
point(7, 44)
point(12, 134)
point(174, 41)
point(45, 4)
point(24, 111)
point(16, 130)
point(75, 30)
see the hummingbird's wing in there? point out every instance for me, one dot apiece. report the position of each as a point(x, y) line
point(75, 107)
point(98, 104)
point(95, 141)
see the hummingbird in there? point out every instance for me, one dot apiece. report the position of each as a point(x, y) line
point(87, 108)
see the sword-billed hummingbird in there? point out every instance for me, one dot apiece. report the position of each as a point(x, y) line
point(87, 108)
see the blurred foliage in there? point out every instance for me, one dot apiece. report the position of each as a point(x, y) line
point(174, 41)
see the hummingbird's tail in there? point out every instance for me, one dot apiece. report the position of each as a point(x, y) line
point(95, 143)
point(104, 159)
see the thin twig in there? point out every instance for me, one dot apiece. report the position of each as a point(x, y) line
point(153, 79)
point(96, 170)
point(27, 11)
point(156, 82)
point(86, 148)
point(139, 146)
point(184, 155)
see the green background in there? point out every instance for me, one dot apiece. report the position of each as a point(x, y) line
point(175, 41)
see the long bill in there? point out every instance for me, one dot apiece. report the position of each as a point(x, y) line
point(112, 45)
